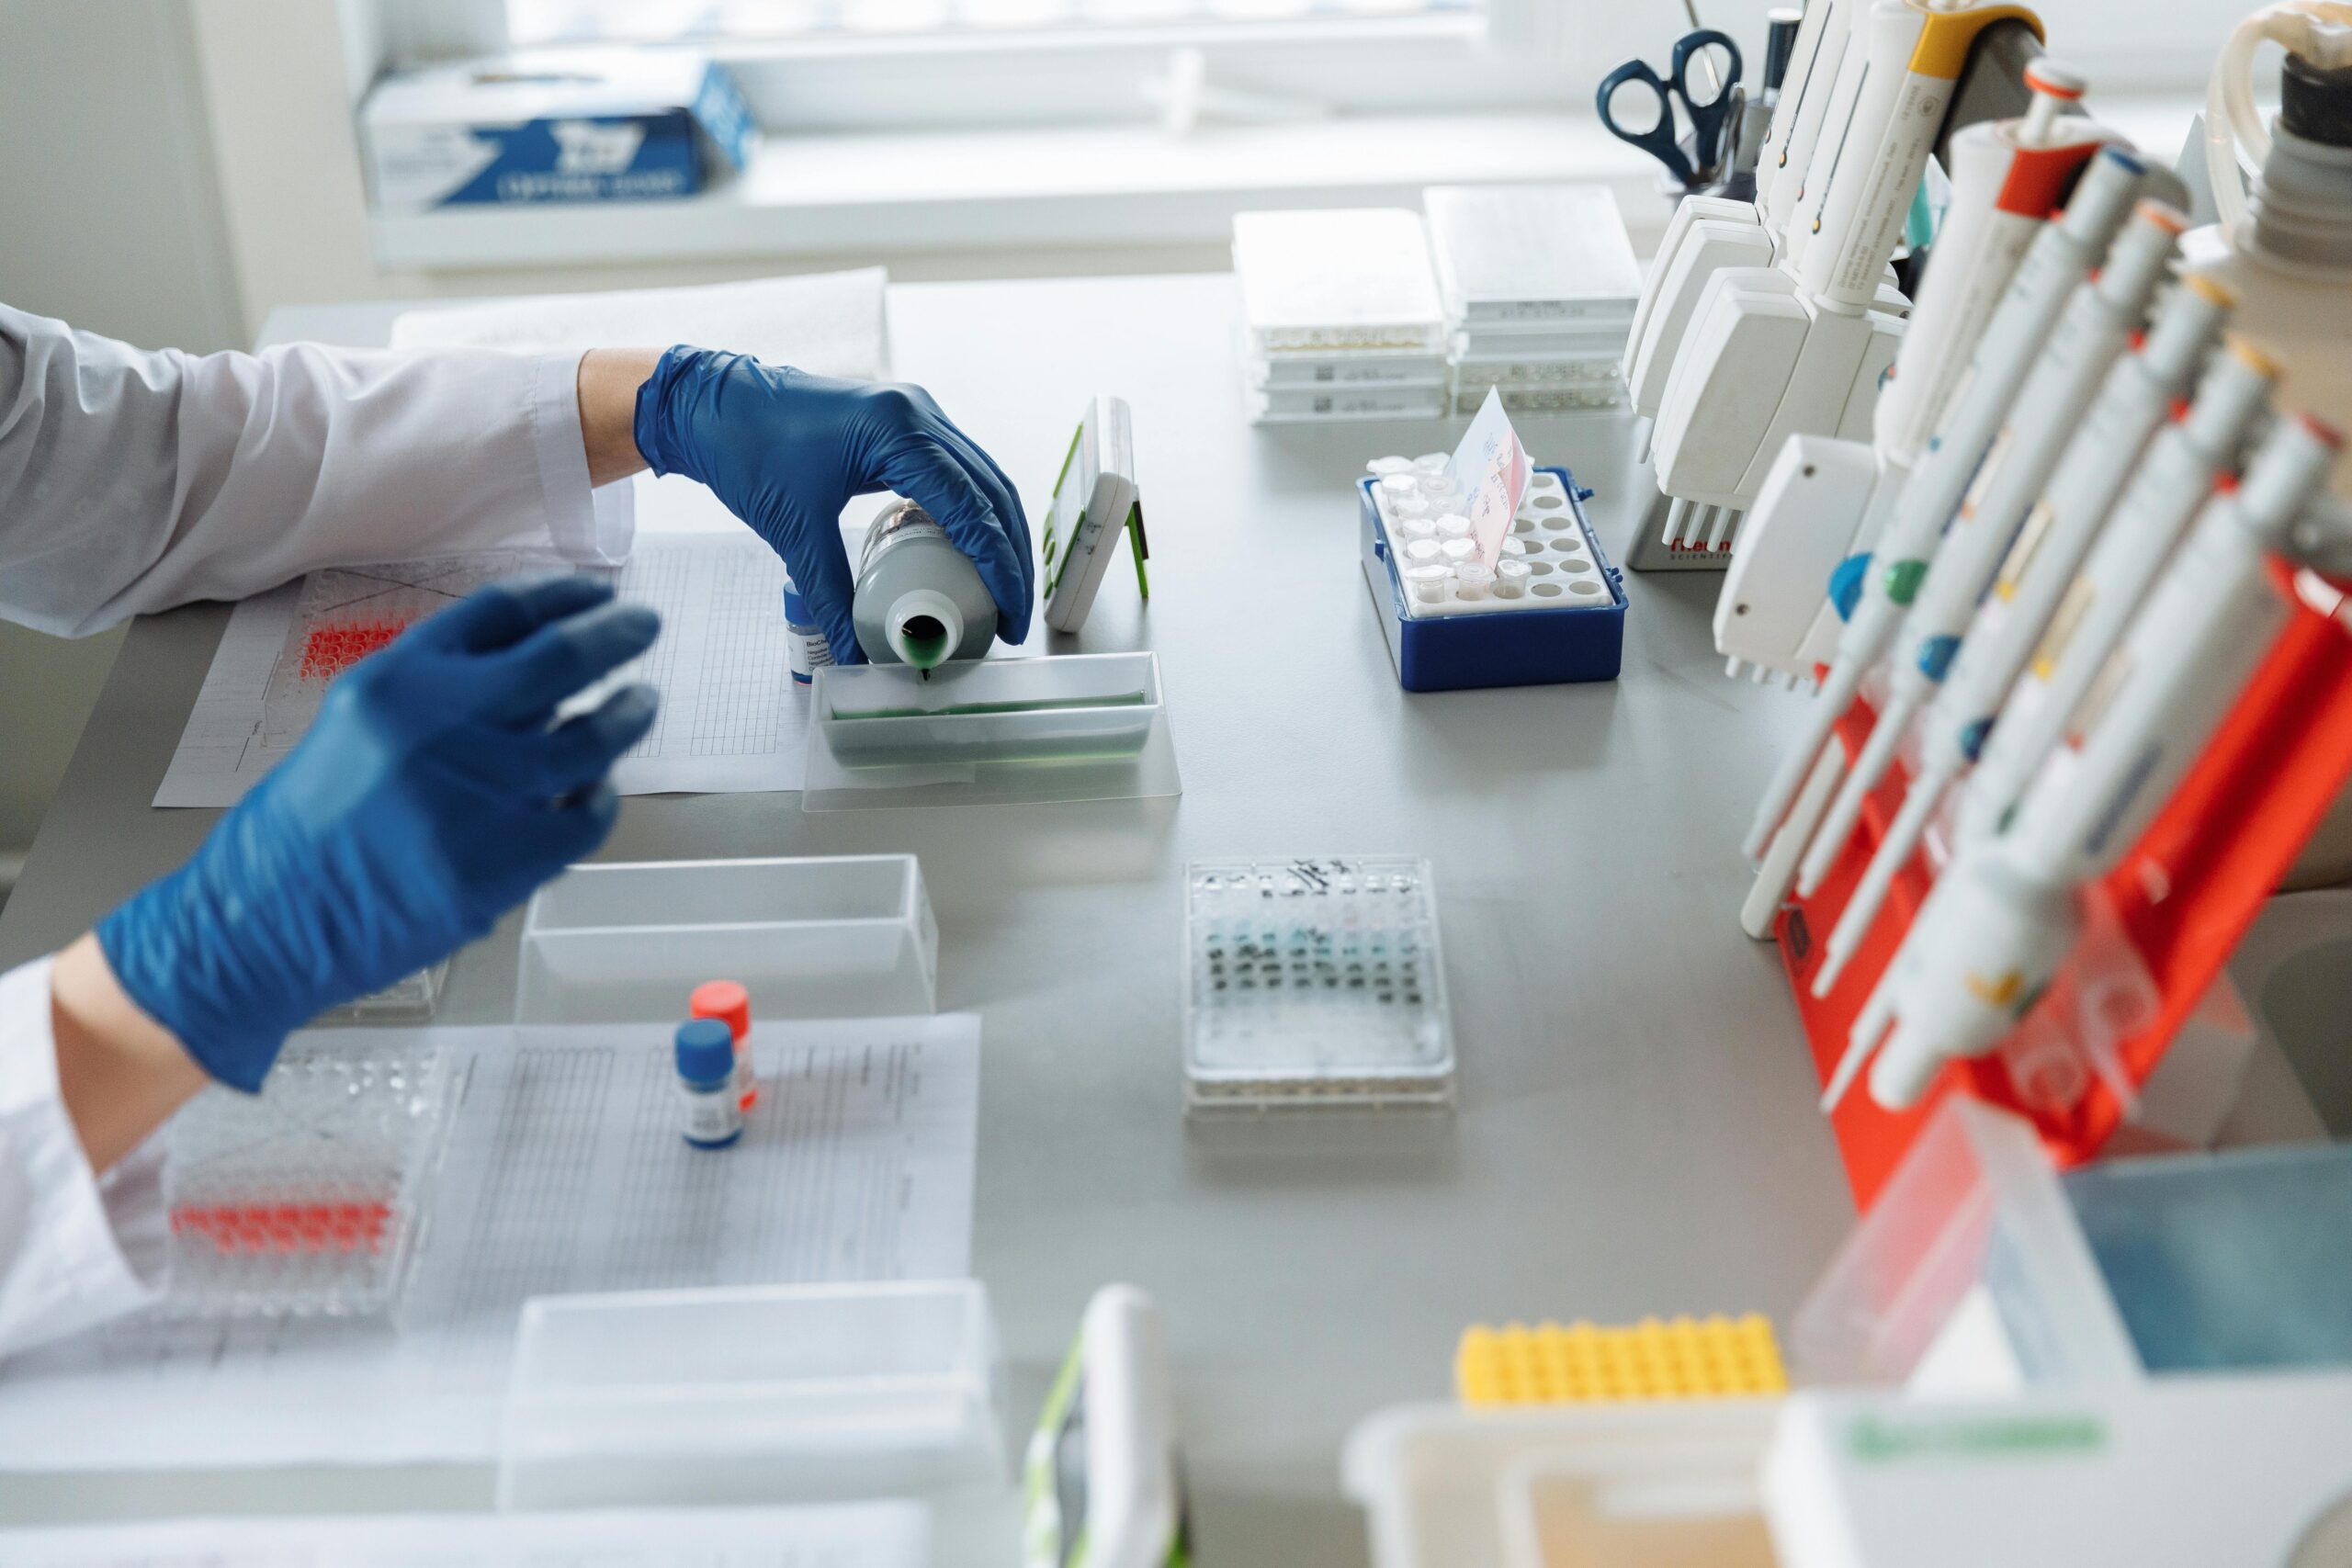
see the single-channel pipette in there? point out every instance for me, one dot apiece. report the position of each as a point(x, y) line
point(2096, 325)
point(1825, 499)
point(2059, 532)
point(2183, 464)
point(2060, 258)
point(2003, 917)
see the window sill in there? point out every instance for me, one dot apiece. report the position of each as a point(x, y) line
point(1092, 185)
point(990, 190)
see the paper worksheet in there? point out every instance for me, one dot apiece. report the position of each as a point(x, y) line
point(563, 1172)
point(731, 717)
point(836, 1535)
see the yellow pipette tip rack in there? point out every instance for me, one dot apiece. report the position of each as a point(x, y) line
point(1685, 1358)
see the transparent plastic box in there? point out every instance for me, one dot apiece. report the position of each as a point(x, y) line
point(840, 937)
point(752, 1395)
point(410, 1000)
point(306, 1200)
point(1971, 1235)
point(1076, 727)
point(1658, 1485)
point(1314, 983)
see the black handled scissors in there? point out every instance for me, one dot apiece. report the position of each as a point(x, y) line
point(1706, 108)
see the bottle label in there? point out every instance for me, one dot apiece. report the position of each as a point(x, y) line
point(711, 1112)
point(747, 1079)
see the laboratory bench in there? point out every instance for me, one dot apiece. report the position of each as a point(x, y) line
point(1634, 1130)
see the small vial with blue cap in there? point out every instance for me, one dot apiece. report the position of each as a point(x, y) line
point(805, 646)
point(713, 1109)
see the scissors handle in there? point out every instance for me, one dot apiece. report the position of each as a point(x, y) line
point(1659, 139)
point(1706, 118)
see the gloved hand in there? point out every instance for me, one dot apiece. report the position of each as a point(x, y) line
point(787, 451)
point(432, 793)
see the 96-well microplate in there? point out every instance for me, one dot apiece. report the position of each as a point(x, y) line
point(1314, 983)
point(306, 1200)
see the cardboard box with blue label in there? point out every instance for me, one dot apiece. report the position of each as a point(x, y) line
point(581, 126)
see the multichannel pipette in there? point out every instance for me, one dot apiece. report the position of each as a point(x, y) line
point(1823, 498)
point(2003, 917)
point(2058, 532)
point(2062, 255)
point(2098, 322)
point(2183, 462)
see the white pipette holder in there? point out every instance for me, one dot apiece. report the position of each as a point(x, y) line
point(1076, 727)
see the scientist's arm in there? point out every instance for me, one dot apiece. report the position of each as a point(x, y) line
point(131, 481)
point(434, 791)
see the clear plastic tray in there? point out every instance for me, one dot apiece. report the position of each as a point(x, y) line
point(752, 1395)
point(410, 999)
point(1314, 983)
point(842, 937)
point(1080, 726)
point(307, 1199)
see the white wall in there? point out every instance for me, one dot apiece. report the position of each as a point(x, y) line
point(112, 222)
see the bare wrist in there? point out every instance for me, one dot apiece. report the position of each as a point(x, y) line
point(120, 1073)
point(609, 379)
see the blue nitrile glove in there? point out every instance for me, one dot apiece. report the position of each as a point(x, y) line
point(787, 451)
point(433, 792)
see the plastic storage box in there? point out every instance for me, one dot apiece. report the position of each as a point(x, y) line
point(1551, 635)
point(846, 937)
point(753, 1395)
point(1657, 1485)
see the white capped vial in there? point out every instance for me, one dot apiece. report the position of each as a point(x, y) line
point(1433, 463)
point(713, 1115)
point(1512, 575)
point(1424, 552)
point(1440, 489)
point(1456, 551)
point(1472, 579)
point(1395, 488)
point(1411, 506)
point(1380, 467)
point(1514, 547)
point(1453, 525)
point(1416, 528)
point(1428, 582)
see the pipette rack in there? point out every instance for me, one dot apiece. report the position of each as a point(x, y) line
point(2175, 907)
point(1568, 626)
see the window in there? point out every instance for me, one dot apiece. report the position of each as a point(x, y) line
point(573, 21)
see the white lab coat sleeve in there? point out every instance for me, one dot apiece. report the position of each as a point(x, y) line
point(133, 481)
point(74, 1252)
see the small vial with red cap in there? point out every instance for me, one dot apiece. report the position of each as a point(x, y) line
point(731, 1004)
